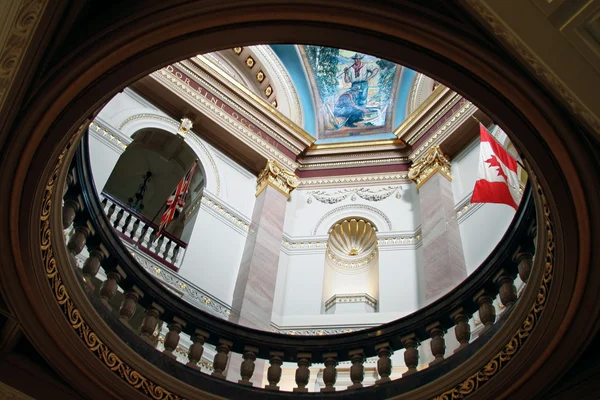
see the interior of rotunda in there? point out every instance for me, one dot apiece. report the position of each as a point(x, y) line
point(331, 192)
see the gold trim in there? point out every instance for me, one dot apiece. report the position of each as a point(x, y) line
point(213, 69)
point(282, 180)
point(366, 143)
point(435, 161)
point(433, 97)
point(108, 357)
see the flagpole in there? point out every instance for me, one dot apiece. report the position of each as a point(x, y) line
point(499, 144)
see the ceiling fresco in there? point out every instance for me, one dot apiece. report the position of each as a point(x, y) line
point(354, 94)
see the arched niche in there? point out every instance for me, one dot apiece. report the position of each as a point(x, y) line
point(152, 166)
point(351, 276)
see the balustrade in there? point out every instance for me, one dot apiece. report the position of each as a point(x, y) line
point(453, 311)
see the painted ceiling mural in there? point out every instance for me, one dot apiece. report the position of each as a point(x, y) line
point(354, 93)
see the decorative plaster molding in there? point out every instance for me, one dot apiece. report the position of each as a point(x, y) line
point(399, 240)
point(445, 130)
point(349, 163)
point(364, 180)
point(353, 207)
point(114, 139)
point(435, 161)
point(193, 138)
point(319, 330)
point(225, 213)
point(24, 21)
point(351, 298)
point(235, 127)
point(342, 194)
point(282, 180)
point(539, 68)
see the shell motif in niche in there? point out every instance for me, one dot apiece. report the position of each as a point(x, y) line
point(352, 239)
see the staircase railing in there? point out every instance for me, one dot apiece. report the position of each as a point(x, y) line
point(91, 229)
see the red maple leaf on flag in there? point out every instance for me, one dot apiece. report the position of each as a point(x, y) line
point(494, 163)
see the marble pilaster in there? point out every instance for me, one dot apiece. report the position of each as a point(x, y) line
point(444, 263)
point(252, 303)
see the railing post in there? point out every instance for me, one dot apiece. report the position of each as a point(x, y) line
point(438, 344)
point(150, 322)
point(302, 372)
point(92, 264)
point(71, 206)
point(411, 353)
point(507, 290)
point(173, 336)
point(384, 364)
point(525, 260)
point(330, 371)
point(129, 305)
point(197, 348)
point(247, 367)
point(220, 361)
point(462, 328)
point(487, 312)
point(274, 371)
point(78, 240)
point(110, 286)
point(357, 370)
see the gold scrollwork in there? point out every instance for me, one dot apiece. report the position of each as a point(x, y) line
point(277, 177)
point(69, 309)
point(501, 359)
point(434, 161)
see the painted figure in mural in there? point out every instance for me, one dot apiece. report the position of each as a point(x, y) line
point(359, 74)
point(347, 107)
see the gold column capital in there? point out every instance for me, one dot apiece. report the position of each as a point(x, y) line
point(434, 161)
point(277, 177)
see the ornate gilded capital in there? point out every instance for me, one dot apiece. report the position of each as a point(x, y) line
point(184, 127)
point(425, 168)
point(277, 177)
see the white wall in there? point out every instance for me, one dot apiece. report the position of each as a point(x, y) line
point(483, 225)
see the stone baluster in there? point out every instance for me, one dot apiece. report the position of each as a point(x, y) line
point(118, 218)
point(134, 228)
point(220, 361)
point(197, 348)
point(104, 203)
point(525, 261)
point(150, 322)
point(160, 250)
point(507, 290)
point(302, 372)
point(110, 285)
point(330, 371)
point(156, 244)
point(126, 223)
point(247, 368)
point(137, 233)
point(165, 253)
point(487, 311)
point(274, 371)
point(411, 353)
point(384, 364)
point(173, 336)
point(462, 328)
point(91, 266)
point(129, 305)
point(357, 370)
point(71, 207)
point(110, 212)
point(146, 236)
point(438, 344)
point(174, 260)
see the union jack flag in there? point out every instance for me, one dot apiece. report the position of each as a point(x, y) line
point(176, 201)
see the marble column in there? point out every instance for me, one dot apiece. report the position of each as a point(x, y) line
point(444, 262)
point(252, 303)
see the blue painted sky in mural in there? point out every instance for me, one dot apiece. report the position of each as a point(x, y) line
point(345, 95)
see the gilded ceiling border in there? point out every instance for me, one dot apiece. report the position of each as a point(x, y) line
point(153, 390)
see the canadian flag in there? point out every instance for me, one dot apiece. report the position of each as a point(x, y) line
point(498, 180)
